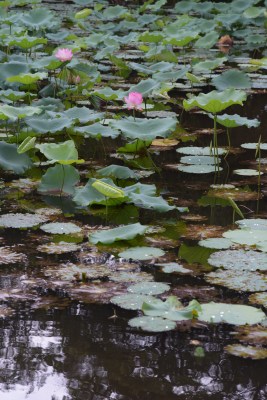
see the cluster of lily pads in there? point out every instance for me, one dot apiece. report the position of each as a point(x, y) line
point(115, 77)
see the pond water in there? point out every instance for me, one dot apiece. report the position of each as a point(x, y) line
point(192, 220)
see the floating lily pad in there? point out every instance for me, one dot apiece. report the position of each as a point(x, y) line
point(131, 301)
point(199, 160)
point(239, 259)
point(199, 151)
point(61, 228)
point(254, 146)
point(126, 232)
point(152, 324)
point(243, 281)
point(172, 267)
point(259, 298)
point(171, 309)
point(234, 314)
point(216, 243)
point(247, 172)
point(249, 237)
point(253, 352)
point(142, 253)
point(18, 220)
point(199, 169)
point(253, 223)
point(149, 288)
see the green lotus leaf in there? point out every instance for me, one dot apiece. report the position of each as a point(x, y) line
point(151, 37)
point(152, 324)
point(82, 14)
point(247, 172)
point(12, 161)
point(199, 160)
point(88, 195)
point(200, 151)
point(61, 228)
point(253, 12)
point(148, 190)
point(63, 153)
point(232, 121)
point(38, 18)
point(114, 12)
point(209, 64)
point(150, 202)
point(19, 220)
point(171, 309)
point(81, 114)
point(45, 125)
point(26, 42)
point(145, 87)
point(199, 169)
point(232, 79)
point(15, 113)
point(28, 78)
point(126, 232)
point(193, 78)
point(98, 130)
point(215, 101)
point(249, 237)
point(239, 259)
point(145, 129)
point(142, 253)
point(135, 146)
point(181, 39)
point(241, 281)
point(208, 40)
point(234, 314)
point(254, 146)
point(59, 180)
point(253, 223)
point(172, 267)
point(12, 95)
point(117, 171)
point(109, 94)
point(149, 288)
point(216, 243)
point(111, 191)
point(131, 301)
point(27, 144)
point(170, 75)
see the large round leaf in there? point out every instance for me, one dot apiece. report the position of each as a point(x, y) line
point(152, 324)
point(235, 314)
point(215, 101)
point(145, 129)
point(63, 153)
point(239, 259)
point(12, 161)
point(142, 253)
point(149, 288)
point(126, 232)
point(232, 79)
point(131, 301)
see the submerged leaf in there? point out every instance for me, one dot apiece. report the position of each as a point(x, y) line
point(253, 352)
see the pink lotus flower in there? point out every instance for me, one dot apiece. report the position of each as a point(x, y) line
point(134, 101)
point(64, 54)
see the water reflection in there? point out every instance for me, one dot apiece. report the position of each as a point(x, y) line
point(65, 356)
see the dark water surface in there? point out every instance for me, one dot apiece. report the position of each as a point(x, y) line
point(81, 354)
point(77, 351)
